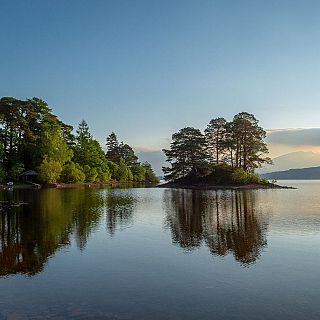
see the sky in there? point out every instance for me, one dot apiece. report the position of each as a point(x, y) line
point(145, 69)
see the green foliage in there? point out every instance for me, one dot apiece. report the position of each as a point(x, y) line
point(123, 172)
point(3, 174)
point(215, 134)
point(239, 143)
point(150, 176)
point(31, 137)
point(240, 176)
point(53, 146)
point(127, 154)
point(113, 150)
point(117, 151)
point(49, 171)
point(113, 169)
point(16, 170)
point(104, 177)
point(138, 172)
point(72, 173)
point(187, 154)
point(87, 151)
point(91, 174)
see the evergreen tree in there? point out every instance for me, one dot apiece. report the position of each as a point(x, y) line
point(150, 176)
point(124, 173)
point(187, 154)
point(250, 148)
point(87, 151)
point(127, 154)
point(113, 148)
point(215, 134)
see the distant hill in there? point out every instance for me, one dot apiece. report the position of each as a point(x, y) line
point(296, 160)
point(294, 174)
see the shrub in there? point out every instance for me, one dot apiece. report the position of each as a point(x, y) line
point(91, 174)
point(72, 172)
point(123, 172)
point(239, 176)
point(49, 171)
point(104, 177)
point(255, 178)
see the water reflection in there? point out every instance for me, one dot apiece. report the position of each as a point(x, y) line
point(30, 234)
point(225, 221)
point(120, 206)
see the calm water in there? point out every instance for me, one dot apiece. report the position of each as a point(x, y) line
point(161, 254)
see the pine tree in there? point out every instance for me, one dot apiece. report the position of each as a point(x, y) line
point(187, 154)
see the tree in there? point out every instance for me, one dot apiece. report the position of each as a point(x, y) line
point(138, 172)
point(21, 125)
point(91, 174)
point(87, 151)
point(187, 154)
point(53, 146)
point(127, 154)
point(215, 134)
point(72, 172)
point(250, 148)
point(149, 176)
point(124, 173)
point(113, 168)
point(113, 148)
point(49, 171)
point(16, 170)
point(89, 154)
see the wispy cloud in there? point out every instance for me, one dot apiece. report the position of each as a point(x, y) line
point(294, 137)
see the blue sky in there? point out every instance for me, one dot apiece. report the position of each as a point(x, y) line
point(145, 69)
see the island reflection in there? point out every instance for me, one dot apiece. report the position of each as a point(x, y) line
point(225, 221)
point(31, 233)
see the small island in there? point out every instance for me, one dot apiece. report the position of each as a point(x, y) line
point(225, 156)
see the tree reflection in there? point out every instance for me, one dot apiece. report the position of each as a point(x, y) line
point(31, 233)
point(120, 206)
point(225, 221)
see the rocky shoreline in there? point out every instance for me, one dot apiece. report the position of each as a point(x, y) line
point(206, 186)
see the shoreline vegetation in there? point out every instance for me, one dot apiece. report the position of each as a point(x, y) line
point(110, 184)
point(224, 156)
point(39, 150)
point(224, 187)
point(37, 147)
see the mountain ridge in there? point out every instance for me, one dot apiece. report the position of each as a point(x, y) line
point(310, 173)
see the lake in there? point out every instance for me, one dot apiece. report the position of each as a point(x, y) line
point(148, 253)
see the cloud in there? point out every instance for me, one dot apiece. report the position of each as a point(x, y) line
point(294, 137)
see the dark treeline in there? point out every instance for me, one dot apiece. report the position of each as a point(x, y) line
point(237, 148)
point(33, 138)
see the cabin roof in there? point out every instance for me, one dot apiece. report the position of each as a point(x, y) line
point(29, 173)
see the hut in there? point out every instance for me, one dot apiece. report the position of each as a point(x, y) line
point(29, 175)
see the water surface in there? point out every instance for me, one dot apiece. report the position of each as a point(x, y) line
point(160, 254)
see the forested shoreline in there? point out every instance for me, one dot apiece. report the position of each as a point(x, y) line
point(33, 138)
point(226, 153)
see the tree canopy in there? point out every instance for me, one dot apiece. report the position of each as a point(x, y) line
point(239, 144)
point(32, 137)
